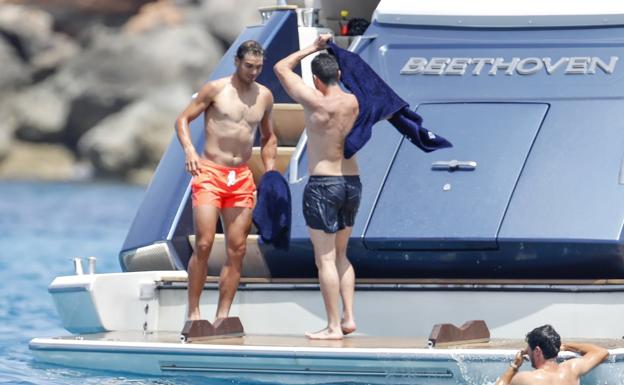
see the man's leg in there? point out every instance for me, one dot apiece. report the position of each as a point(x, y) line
point(347, 279)
point(236, 223)
point(325, 258)
point(205, 218)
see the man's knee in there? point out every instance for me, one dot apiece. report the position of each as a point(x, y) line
point(234, 263)
point(325, 260)
point(236, 250)
point(203, 246)
point(341, 253)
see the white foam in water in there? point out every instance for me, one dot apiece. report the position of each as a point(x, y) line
point(477, 370)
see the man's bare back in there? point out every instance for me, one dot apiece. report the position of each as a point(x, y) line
point(561, 374)
point(328, 121)
point(543, 346)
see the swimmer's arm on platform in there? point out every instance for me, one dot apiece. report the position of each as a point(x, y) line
point(592, 356)
point(293, 83)
point(511, 375)
point(268, 137)
point(198, 104)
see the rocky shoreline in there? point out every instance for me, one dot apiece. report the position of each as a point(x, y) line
point(91, 89)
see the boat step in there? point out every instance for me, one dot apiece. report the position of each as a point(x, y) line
point(288, 123)
point(281, 161)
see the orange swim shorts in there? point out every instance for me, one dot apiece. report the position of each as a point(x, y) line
point(223, 186)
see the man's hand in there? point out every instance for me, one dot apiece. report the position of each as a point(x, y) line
point(321, 41)
point(192, 163)
point(519, 359)
point(510, 374)
point(293, 84)
point(592, 356)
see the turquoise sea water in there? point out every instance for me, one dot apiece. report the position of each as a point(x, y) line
point(42, 226)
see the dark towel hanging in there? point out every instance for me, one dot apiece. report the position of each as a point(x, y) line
point(272, 214)
point(377, 101)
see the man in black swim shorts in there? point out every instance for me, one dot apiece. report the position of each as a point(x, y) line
point(331, 202)
point(332, 195)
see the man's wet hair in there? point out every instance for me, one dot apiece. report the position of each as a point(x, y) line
point(249, 47)
point(547, 339)
point(325, 67)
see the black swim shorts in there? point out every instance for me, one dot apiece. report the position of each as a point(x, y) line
point(331, 202)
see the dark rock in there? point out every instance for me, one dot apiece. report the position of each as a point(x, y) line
point(60, 49)
point(29, 31)
point(41, 113)
point(28, 28)
point(73, 16)
point(14, 73)
point(8, 125)
point(87, 111)
point(120, 69)
point(226, 19)
point(113, 95)
point(154, 16)
point(137, 136)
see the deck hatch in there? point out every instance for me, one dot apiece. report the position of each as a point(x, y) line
point(453, 208)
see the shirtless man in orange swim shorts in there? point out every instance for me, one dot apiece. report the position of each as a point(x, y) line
point(222, 184)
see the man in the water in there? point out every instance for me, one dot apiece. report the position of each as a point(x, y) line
point(543, 345)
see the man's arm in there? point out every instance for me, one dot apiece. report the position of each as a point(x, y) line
point(592, 356)
point(199, 104)
point(292, 83)
point(511, 375)
point(268, 140)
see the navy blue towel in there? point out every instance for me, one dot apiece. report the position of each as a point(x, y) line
point(377, 102)
point(272, 214)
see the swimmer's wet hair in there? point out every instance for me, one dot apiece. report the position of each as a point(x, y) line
point(547, 339)
point(325, 67)
point(251, 47)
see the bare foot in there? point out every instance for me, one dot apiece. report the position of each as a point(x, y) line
point(348, 327)
point(325, 334)
point(193, 316)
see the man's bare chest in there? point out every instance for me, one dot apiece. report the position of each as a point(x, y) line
point(237, 111)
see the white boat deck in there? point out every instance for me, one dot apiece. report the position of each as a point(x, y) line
point(296, 359)
point(294, 341)
point(144, 314)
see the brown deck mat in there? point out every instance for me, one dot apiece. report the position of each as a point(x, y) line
point(352, 341)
